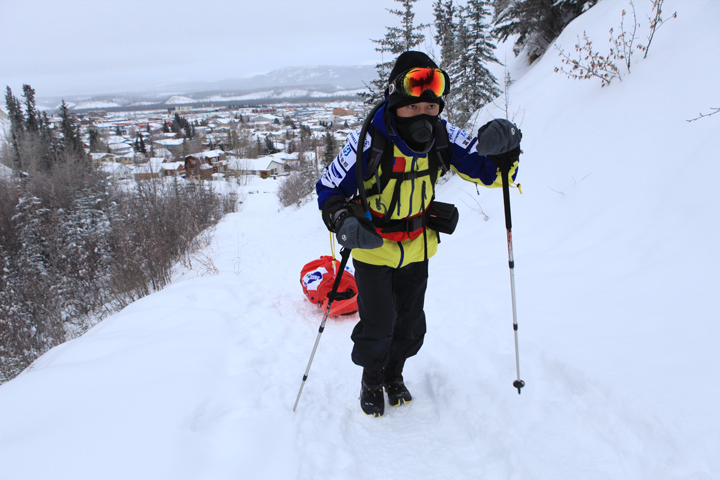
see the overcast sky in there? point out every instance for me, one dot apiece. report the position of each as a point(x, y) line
point(68, 47)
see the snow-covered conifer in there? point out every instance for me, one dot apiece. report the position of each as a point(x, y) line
point(396, 41)
point(32, 116)
point(445, 30)
point(472, 84)
point(537, 23)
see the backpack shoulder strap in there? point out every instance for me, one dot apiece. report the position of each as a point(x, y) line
point(381, 154)
point(442, 145)
point(377, 147)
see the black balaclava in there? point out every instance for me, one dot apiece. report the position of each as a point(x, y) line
point(416, 131)
point(419, 130)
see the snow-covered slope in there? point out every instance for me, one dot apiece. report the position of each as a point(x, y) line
point(616, 272)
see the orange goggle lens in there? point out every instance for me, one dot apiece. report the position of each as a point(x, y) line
point(414, 82)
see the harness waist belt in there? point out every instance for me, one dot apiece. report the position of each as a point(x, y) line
point(405, 225)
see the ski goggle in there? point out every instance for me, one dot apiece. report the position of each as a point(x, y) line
point(418, 80)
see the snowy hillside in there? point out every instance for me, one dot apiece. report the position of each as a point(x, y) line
point(4, 135)
point(616, 273)
point(4, 124)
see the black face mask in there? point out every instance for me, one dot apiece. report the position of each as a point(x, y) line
point(417, 130)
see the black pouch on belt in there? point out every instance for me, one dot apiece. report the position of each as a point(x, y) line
point(443, 217)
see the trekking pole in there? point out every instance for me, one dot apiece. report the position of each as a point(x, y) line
point(508, 225)
point(344, 255)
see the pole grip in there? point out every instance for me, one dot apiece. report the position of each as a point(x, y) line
point(506, 197)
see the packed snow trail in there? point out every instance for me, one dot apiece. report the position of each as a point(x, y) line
point(198, 381)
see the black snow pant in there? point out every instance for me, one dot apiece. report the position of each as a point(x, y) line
point(392, 321)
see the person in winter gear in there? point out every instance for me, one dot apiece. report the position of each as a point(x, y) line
point(392, 247)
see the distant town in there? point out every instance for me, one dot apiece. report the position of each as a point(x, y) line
point(214, 142)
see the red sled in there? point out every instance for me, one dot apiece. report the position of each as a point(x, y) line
point(317, 279)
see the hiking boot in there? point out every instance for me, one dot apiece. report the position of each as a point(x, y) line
point(372, 400)
point(397, 394)
point(394, 384)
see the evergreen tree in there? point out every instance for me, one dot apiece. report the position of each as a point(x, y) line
point(269, 147)
point(96, 144)
point(305, 133)
point(14, 108)
point(176, 126)
point(331, 148)
point(17, 127)
point(48, 149)
point(537, 23)
point(32, 116)
point(473, 85)
point(181, 125)
point(445, 31)
point(397, 40)
point(72, 146)
point(37, 316)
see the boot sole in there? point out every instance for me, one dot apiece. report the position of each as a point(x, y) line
point(401, 401)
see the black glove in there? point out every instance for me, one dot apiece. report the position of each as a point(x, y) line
point(352, 231)
point(505, 161)
point(334, 210)
point(498, 136)
point(358, 232)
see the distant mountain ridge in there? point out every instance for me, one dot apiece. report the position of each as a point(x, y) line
point(339, 77)
point(318, 81)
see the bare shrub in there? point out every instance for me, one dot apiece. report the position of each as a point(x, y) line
point(153, 227)
point(713, 111)
point(589, 63)
point(296, 188)
point(73, 248)
point(656, 21)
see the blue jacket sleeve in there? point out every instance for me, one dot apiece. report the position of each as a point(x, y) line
point(339, 178)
